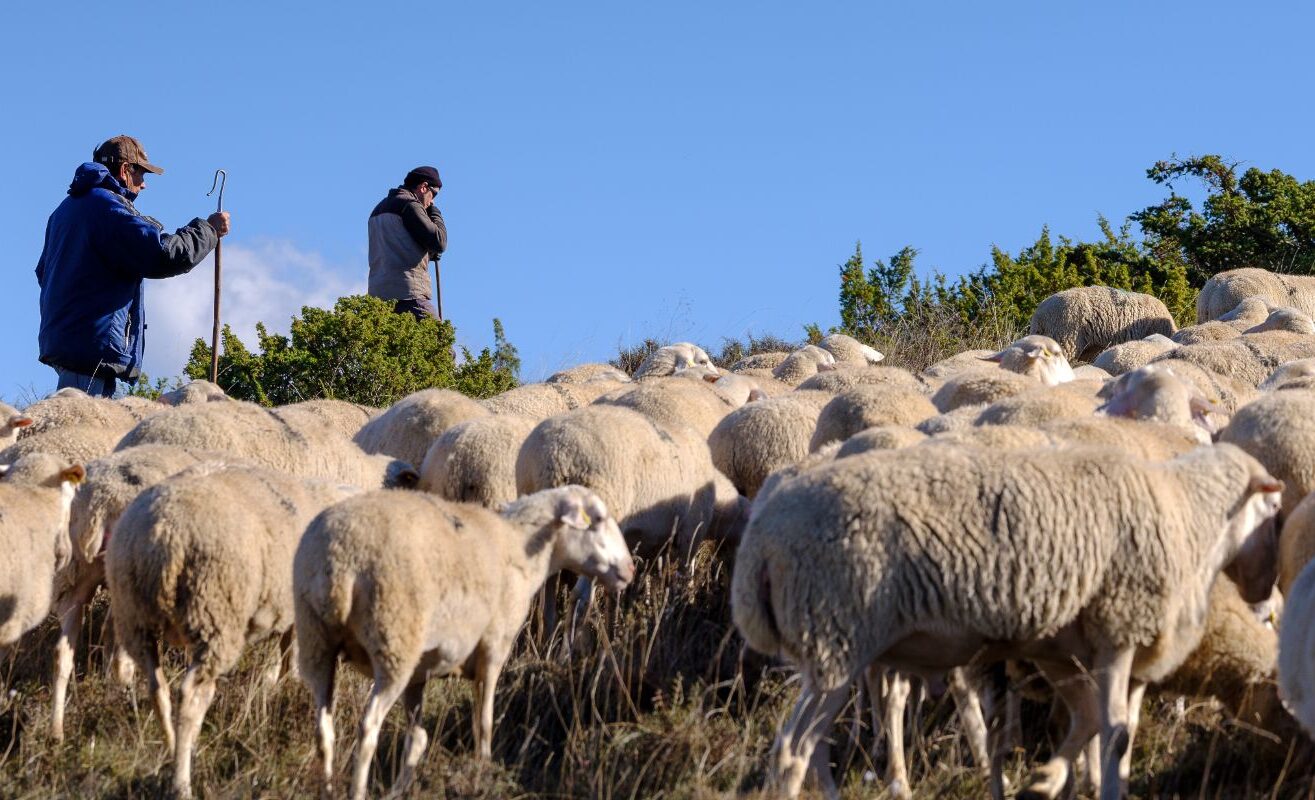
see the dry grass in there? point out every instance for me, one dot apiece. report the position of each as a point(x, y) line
point(655, 703)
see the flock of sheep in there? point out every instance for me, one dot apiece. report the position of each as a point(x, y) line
point(998, 515)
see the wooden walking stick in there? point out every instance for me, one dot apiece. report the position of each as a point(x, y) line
point(221, 178)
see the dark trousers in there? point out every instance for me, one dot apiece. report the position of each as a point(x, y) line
point(416, 307)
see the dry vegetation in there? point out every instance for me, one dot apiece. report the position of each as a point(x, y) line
point(655, 702)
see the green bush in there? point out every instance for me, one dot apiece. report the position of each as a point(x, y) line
point(361, 351)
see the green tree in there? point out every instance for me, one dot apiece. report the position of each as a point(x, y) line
point(1261, 219)
point(361, 351)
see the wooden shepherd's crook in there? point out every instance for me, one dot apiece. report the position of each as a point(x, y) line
point(221, 178)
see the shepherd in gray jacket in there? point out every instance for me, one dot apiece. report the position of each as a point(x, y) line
point(406, 232)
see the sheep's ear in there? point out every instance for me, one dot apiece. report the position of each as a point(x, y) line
point(73, 474)
point(4, 469)
point(711, 377)
point(407, 479)
point(1120, 405)
point(996, 357)
point(1265, 483)
point(20, 421)
point(1035, 352)
point(572, 513)
point(757, 394)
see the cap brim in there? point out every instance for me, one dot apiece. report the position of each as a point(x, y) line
point(152, 168)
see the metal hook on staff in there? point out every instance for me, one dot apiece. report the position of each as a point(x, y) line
point(221, 180)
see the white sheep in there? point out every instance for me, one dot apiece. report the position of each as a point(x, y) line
point(949, 367)
point(475, 461)
point(11, 422)
point(766, 361)
point(1299, 374)
point(1285, 318)
point(752, 442)
point(197, 391)
point(1128, 356)
point(303, 447)
point(203, 560)
point(980, 387)
point(542, 400)
point(804, 363)
point(849, 564)
point(1041, 404)
point(673, 358)
point(1223, 292)
point(1212, 331)
point(404, 586)
point(848, 350)
point(588, 373)
point(659, 482)
point(881, 437)
point(1279, 430)
point(1036, 356)
point(696, 404)
point(344, 417)
point(847, 376)
point(80, 442)
point(1155, 393)
point(863, 407)
point(407, 428)
point(1088, 319)
point(34, 508)
point(67, 408)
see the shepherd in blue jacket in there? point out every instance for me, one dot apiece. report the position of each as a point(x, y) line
point(98, 249)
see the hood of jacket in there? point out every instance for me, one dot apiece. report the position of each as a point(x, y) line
point(90, 175)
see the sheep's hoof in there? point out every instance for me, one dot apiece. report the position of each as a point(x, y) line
point(1045, 783)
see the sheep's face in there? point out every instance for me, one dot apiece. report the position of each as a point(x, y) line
point(1038, 356)
point(9, 432)
point(590, 541)
point(1253, 535)
point(691, 356)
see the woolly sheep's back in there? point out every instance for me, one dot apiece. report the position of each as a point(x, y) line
point(985, 384)
point(407, 428)
point(753, 441)
point(542, 400)
point(1039, 405)
point(341, 416)
point(676, 401)
point(863, 407)
point(475, 461)
point(848, 376)
point(65, 410)
point(1278, 430)
point(74, 443)
point(1297, 543)
point(30, 523)
point(1128, 356)
point(931, 534)
point(1222, 292)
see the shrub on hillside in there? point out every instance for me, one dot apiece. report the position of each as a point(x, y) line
point(360, 351)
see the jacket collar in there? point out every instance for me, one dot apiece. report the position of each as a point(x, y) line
point(91, 175)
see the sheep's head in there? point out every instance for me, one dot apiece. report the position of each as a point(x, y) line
point(1155, 393)
point(1038, 356)
point(1252, 531)
point(15, 422)
point(850, 350)
point(588, 540)
point(1285, 319)
point(673, 358)
point(1248, 308)
point(1293, 374)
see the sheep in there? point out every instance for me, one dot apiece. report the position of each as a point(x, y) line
point(588, 373)
point(34, 508)
point(959, 419)
point(696, 404)
point(848, 350)
point(542, 400)
point(403, 586)
point(140, 407)
point(863, 407)
point(475, 461)
point(1037, 356)
point(881, 437)
point(980, 387)
point(756, 440)
point(1089, 373)
point(768, 361)
point(1128, 356)
point(407, 428)
point(197, 391)
point(1279, 430)
point(1039, 405)
point(112, 483)
point(767, 382)
point(1249, 311)
point(11, 422)
point(1299, 374)
point(80, 443)
point(1227, 392)
point(203, 560)
point(1296, 651)
point(672, 358)
point(1155, 393)
point(1223, 292)
point(659, 482)
point(247, 431)
point(67, 408)
point(1297, 544)
point(899, 558)
point(1285, 318)
point(1087, 319)
point(802, 364)
point(1242, 359)
point(344, 417)
point(847, 376)
point(949, 367)
point(1213, 331)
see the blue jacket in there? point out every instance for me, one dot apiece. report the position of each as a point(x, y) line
point(98, 249)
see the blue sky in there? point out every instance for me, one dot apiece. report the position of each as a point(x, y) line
point(682, 170)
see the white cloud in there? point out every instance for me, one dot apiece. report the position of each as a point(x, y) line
point(266, 282)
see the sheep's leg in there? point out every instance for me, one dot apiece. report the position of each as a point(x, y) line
point(874, 678)
point(969, 703)
point(318, 670)
point(71, 608)
point(996, 688)
point(385, 694)
point(146, 652)
point(1135, 693)
point(897, 699)
point(1074, 688)
point(195, 695)
point(413, 699)
point(1113, 673)
point(487, 669)
point(287, 659)
point(811, 719)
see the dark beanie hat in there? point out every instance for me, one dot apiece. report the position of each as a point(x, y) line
point(423, 174)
